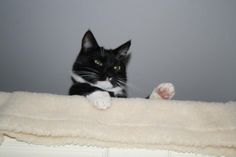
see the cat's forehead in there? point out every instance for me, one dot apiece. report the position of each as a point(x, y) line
point(106, 53)
point(108, 57)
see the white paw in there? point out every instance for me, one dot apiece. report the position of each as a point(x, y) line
point(164, 91)
point(100, 99)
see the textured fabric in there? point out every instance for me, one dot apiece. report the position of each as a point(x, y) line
point(185, 126)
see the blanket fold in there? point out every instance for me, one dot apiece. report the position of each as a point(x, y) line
point(185, 126)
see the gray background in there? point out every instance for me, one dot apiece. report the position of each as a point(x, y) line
point(189, 43)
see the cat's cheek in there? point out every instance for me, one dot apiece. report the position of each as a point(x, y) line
point(100, 99)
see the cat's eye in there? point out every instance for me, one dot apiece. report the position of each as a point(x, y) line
point(98, 62)
point(117, 68)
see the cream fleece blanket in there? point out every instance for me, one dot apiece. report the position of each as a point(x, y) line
point(185, 126)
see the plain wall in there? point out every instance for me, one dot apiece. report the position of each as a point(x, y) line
point(187, 42)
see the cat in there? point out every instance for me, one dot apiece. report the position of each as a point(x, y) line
point(100, 73)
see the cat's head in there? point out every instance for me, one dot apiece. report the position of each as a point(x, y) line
point(105, 68)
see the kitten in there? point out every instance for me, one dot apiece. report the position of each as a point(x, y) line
point(99, 73)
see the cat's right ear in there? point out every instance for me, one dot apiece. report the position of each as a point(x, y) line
point(89, 41)
point(122, 51)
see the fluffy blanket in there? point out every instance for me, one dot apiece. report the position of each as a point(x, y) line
point(185, 126)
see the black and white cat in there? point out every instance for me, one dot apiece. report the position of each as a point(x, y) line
point(100, 73)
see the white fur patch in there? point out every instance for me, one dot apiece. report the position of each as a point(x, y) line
point(116, 90)
point(78, 78)
point(105, 85)
point(100, 99)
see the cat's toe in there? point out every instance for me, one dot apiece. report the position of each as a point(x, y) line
point(100, 99)
point(166, 90)
point(163, 91)
point(102, 103)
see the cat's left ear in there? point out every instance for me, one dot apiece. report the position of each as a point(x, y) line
point(122, 51)
point(89, 41)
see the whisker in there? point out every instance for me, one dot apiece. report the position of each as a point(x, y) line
point(89, 76)
point(91, 69)
point(120, 85)
point(85, 72)
point(121, 81)
point(132, 87)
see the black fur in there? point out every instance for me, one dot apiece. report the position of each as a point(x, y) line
point(94, 63)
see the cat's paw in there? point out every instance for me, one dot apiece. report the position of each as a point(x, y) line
point(163, 91)
point(100, 99)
